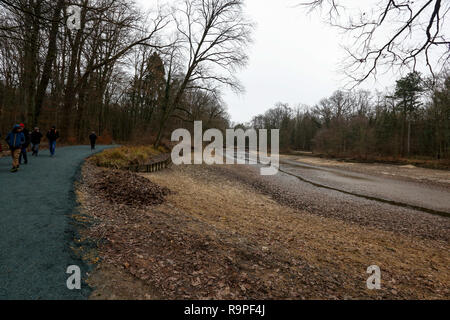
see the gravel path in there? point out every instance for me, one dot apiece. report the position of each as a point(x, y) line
point(35, 230)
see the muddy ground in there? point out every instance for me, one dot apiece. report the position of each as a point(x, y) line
point(227, 233)
point(406, 172)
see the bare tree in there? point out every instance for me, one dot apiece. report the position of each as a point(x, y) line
point(49, 60)
point(392, 34)
point(83, 79)
point(212, 38)
point(114, 33)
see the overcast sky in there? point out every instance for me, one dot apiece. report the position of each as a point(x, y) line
point(294, 59)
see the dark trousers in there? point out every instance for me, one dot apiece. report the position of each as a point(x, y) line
point(35, 149)
point(24, 155)
point(92, 145)
point(52, 147)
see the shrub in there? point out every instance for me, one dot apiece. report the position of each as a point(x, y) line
point(125, 156)
point(105, 138)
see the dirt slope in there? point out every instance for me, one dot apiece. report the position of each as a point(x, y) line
point(218, 237)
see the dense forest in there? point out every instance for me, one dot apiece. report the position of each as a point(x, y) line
point(126, 73)
point(411, 121)
point(132, 75)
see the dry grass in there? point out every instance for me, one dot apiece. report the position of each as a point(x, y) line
point(216, 238)
point(417, 161)
point(410, 172)
point(125, 156)
point(412, 267)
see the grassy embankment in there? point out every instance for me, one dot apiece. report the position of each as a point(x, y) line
point(126, 156)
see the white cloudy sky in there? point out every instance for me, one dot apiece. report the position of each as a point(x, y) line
point(294, 59)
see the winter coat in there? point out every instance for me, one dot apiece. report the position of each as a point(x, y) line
point(52, 135)
point(36, 137)
point(93, 137)
point(27, 136)
point(15, 140)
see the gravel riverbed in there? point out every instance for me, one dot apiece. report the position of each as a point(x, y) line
point(225, 232)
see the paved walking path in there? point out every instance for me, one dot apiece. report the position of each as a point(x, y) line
point(35, 235)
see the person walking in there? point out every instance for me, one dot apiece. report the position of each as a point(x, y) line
point(35, 139)
point(93, 138)
point(15, 140)
point(23, 151)
point(52, 136)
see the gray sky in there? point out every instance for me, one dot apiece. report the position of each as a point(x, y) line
point(294, 59)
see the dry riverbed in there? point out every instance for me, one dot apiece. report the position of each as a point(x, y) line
point(407, 172)
point(219, 234)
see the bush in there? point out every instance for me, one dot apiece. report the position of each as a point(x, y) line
point(125, 156)
point(105, 138)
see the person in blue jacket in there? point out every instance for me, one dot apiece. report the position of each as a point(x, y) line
point(15, 140)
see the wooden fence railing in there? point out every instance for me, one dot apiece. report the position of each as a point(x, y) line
point(156, 164)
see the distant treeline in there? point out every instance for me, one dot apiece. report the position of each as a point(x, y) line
point(414, 120)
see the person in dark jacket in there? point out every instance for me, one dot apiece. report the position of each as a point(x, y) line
point(35, 139)
point(23, 152)
point(93, 138)
point(52, 136)
point(15, 140)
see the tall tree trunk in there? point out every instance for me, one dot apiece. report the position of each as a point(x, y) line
point(409, 138)
point(48, 65)
point(31, 51)
point(71, 87)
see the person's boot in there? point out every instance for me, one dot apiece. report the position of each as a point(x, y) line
point(14, 169)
